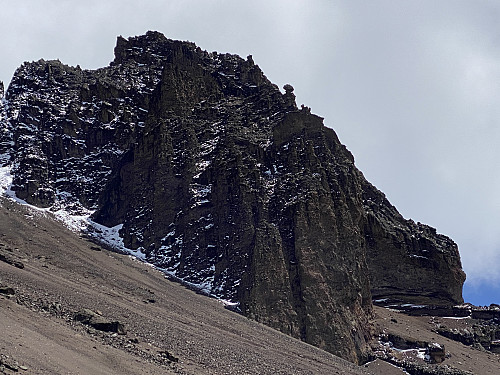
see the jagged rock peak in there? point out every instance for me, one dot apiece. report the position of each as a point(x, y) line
point(212, 173)
point(142, 48)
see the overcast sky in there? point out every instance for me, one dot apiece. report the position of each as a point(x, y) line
point(412, 88)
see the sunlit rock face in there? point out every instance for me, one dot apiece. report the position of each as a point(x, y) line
point(218, 178)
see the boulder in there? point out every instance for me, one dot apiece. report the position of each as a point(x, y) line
point(6, 290)
point(94, 320)
point(435, 352)
point(10, 259)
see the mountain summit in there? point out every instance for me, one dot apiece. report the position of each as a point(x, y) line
point(213, 174)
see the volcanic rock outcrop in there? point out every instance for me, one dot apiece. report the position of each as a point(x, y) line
point(409, 262)
point(217, 177)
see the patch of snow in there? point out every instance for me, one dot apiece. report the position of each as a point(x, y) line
point(265, 145)
point(229, 303)
point(200, 191)
point(422, 354)
point(413, 306)
point(76, 223)
point(201, 166)
point(200, 194)
point(169, 234)
point(417, 256)
point(5, 180)
point(435, 345)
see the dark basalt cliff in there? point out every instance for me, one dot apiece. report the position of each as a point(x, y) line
point(217, 177)
point(409, 262)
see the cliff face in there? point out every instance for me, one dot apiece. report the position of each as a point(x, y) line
point(217, 177)
point(409, 262)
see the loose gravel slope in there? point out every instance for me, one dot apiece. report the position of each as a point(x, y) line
point(54, 274)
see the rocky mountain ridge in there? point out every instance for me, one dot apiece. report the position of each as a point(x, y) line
point(215, 175)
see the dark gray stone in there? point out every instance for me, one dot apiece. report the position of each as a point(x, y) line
point(99, 322)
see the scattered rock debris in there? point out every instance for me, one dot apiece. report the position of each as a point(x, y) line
point(9, 365)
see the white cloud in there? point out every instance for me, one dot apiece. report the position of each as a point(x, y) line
point(481, 264)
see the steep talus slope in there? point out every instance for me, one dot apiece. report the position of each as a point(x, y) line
point(218, 177)
point(168, 329)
